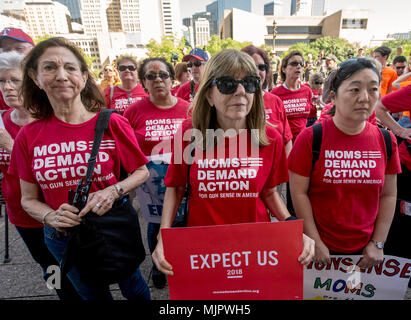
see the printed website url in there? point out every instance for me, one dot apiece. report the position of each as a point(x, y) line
point(236, 291)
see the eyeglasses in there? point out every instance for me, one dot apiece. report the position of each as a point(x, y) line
point(124, 68)
point(262, 67)
point(295, 64)
point(318, 83)
point(153, 76)
point(12, 81)
point(400, 67)
point(196, 64)
point(108, 70)
point(229, 85)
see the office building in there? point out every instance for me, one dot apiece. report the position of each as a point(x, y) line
point(217, 11)
point(201, 22)
point(46, 17)
point(74, 8)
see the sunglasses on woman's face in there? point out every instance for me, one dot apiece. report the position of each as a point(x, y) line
point(262, 67)
point(195, 64)
point(229, 85)
point(153, 76)
point(295, 64)
point(318, 83)
point(124, 68)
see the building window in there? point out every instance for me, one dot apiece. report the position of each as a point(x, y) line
point(354, 24)
point(296, 30)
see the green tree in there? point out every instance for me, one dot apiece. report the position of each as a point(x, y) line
point(166, 48)
point(216, 44)
point(393, 44)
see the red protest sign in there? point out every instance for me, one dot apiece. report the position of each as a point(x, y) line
point(253, 261)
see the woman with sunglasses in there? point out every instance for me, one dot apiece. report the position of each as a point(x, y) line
point(111, 77)
point(120, 96)
point(347, 197)
point(155, 120)
point(183, 75)
point(273, 106)
point(228, 109)
point(297, 99)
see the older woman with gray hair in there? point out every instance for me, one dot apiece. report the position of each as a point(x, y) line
point(11, 121)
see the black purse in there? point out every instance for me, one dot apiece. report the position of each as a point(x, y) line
point(105, 249)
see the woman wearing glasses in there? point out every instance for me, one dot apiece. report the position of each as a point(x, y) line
point(129, 91)
point(347, 197)
point(297, 99)
point(273, 106)
point(183, 75)
point(228, 109)
point(155, 120)
point(111, 77)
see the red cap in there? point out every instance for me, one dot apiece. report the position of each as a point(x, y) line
point(16, 34)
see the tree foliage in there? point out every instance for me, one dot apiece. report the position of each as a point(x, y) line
point(166, 48)
point(393, 44)
point(216, 44)
point(336, 46)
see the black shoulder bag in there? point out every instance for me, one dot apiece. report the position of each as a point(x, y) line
point(105, 249)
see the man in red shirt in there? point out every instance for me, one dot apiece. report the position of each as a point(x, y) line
point(196, 60)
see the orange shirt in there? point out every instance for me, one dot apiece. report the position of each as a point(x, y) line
point(388, 77)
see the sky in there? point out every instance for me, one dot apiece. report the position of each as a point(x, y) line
point(390, 16)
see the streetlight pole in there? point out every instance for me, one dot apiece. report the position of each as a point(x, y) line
point(274, 33)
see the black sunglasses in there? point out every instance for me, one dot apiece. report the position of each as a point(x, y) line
point(124, 68)
point(196, 64)
point(153, 76)
point(262, 67)
point(400, 67)
point(229, 85)
point(318, 83)
point(295, 64)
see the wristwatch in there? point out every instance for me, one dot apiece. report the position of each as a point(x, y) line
point(119, 189)
point(378, 244)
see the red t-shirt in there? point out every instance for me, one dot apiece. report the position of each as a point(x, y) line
point(3, 105)
point(325, 115)
point(175, 89)
point(153, 125)
point(122, 98)
point(225, 189)
point(297, 106)
point(54, 155)
point(399, 101)
point(184, 92)
point(10, 185)
point(346, 182)
point(275, 114)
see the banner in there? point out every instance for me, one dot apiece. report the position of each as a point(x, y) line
point(151, 193)
point(342, 280)
point(253, 261)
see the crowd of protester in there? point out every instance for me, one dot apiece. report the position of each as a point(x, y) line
point(281, 107)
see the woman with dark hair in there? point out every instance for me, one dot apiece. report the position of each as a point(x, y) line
point(347, 196)
point(120, 96)
point(297, 99)
point(51, 154)
point(155, 120)
point(183, 75)
point(273, 106)
point(12, 120)
point(228, 106)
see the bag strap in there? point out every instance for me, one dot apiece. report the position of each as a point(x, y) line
point(111, 92)
point(101, 126)
point(388, 143)
point(192, 89)
point(187, 192)
point(317, 141)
